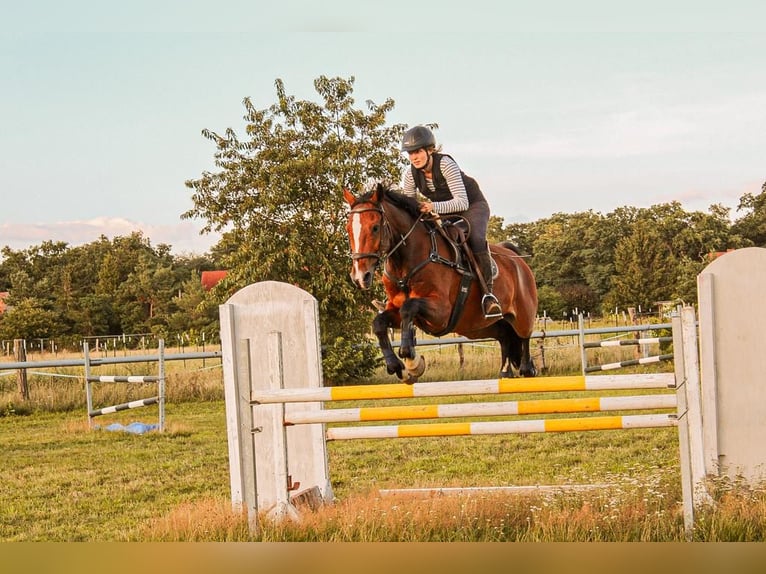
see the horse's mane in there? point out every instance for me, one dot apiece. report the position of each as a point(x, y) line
point(395, 198)
point(411, 206)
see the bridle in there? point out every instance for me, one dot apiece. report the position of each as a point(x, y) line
point(383, 253)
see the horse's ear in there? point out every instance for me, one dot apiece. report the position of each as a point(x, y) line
point(348, 196)
point(379, 193)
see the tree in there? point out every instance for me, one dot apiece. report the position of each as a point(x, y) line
point(29, 319)
point(495, 230)
point(573, 254)
point(107, 287)
point(278, 192)
point(752, 225)
point(196, 311)
point(645, 269)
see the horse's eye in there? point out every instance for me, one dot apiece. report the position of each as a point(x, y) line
point(375, 228)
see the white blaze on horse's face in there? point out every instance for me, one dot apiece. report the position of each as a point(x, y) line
point(355, 231)
point(363, 229)
point(354, 234)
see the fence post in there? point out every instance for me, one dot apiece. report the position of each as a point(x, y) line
point(581, 329)
point(20, 353)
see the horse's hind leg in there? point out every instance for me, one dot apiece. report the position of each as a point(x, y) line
point(506, 370)
point(509, 348)
point(515, 353)
point(527, 367)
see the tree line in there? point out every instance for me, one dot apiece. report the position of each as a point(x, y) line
point(631, 257)
point(104, 288)
point(276, 196)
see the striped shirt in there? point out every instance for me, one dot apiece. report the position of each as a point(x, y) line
point(451, 173)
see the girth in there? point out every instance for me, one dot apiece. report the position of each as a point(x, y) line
point(466, 276)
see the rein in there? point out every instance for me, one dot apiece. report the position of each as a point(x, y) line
point(383, 254)
point(433, 257)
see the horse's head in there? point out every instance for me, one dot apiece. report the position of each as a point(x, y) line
point(365, 234)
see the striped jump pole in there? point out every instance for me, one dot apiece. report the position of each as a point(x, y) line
point(503, 427)
point(621, 343)
point(627, 342)
point(629, 363)
point(158, 399)
point(501, 408)
point(123, 379)
point(460, 388)
point(124, 406)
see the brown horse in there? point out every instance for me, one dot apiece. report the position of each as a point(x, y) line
point(429, 286)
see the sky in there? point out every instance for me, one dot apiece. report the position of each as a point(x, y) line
point(553, 106)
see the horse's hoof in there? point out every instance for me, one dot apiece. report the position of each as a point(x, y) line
point(395, 368)
point(416, 366)
point(506, 374)
point(529, 372)
point(410, 380)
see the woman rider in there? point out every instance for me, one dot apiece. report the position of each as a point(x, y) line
point(449, 191)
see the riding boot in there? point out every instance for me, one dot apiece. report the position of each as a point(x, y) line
point(489, 303)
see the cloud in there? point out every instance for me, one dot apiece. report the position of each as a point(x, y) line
point(625, 134)
point(640, 130)
point(183, 237)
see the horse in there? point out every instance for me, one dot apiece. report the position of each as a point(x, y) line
point(429, 285)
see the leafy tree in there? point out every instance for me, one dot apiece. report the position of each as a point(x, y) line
point(495, 230)
point(550, 302)
point(520, 234)
point(278, 192)
point(93, 315)
point(573, 255)
point(152, 285)
point(752, 225)
point(645, 269)
point(196, 311)
point(93, 289)
point(29, 319)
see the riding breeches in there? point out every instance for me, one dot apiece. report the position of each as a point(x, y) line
point(477, 216)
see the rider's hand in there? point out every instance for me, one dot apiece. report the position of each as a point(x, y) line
point(426, 207)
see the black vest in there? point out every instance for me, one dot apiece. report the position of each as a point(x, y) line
point(442, 192)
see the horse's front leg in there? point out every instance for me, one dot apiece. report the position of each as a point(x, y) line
point(380, 326)
point(415, 364)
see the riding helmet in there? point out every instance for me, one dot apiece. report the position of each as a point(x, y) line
point(417, 138)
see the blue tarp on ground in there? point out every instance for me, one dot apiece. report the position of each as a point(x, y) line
point(135, 427)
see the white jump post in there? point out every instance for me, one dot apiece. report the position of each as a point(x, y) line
point(270, 341)
point(733, 366)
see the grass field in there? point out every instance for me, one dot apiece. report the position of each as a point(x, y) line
point(64, 482)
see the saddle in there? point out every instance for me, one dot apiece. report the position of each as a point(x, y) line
point(455, 229)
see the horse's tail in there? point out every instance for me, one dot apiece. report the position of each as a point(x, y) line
point(513, 247)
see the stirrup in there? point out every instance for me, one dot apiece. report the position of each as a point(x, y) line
point(491, 306)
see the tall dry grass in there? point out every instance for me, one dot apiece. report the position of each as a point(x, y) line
point(633, 513)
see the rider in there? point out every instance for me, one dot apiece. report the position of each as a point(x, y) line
point(439, 178)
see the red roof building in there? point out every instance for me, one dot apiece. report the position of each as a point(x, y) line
point(210, 279)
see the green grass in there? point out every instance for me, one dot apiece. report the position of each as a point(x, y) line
point(63, 482)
